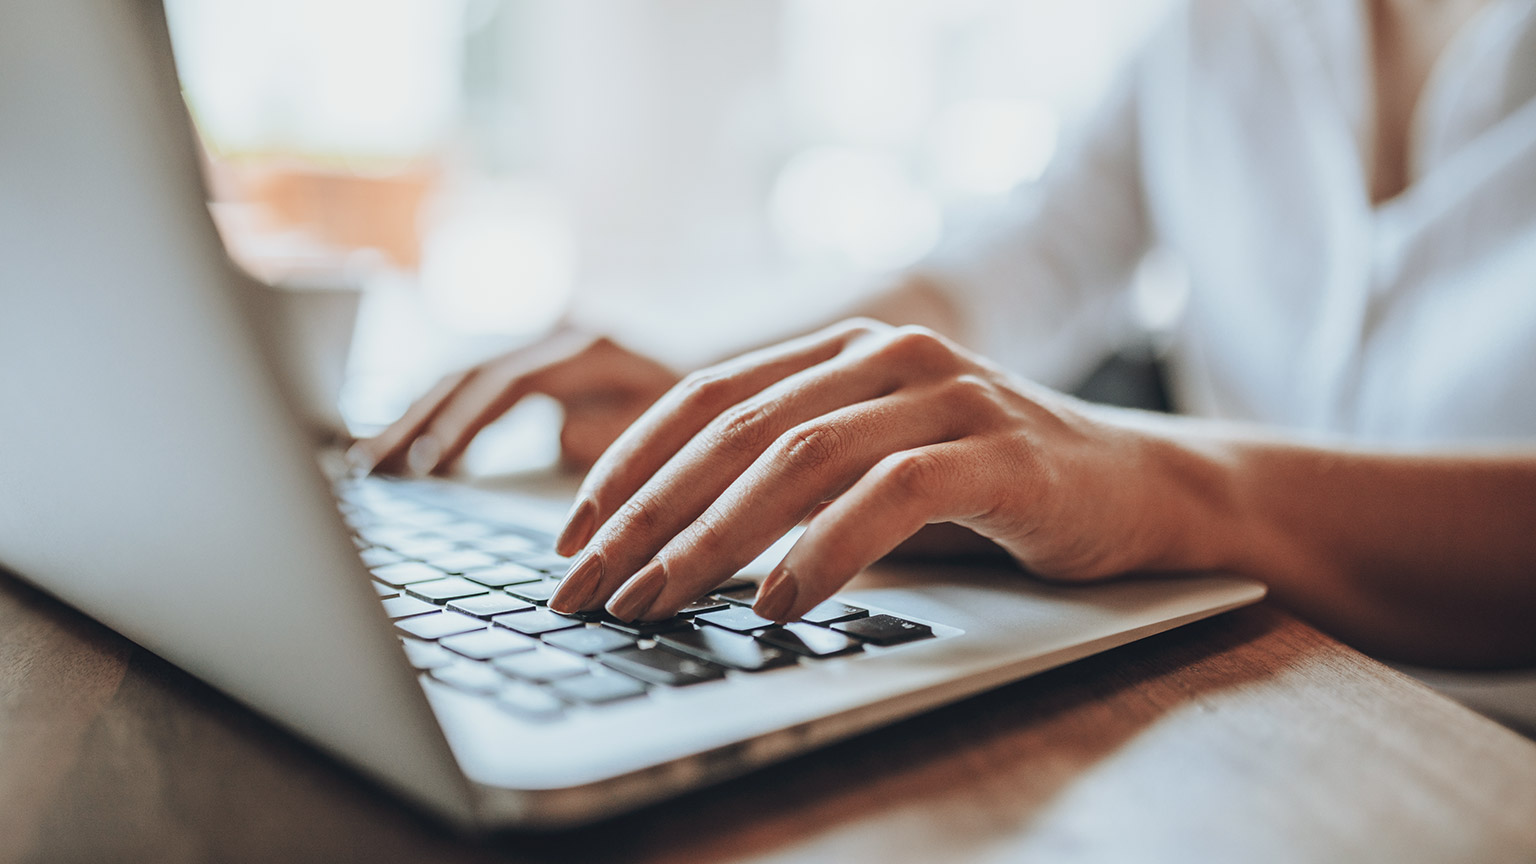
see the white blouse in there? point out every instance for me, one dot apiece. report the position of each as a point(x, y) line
point(1237, 143)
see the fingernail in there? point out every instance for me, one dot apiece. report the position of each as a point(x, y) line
point(639, 592)
point(359, 459)
point(576, 591)
point(423, 456)
point(776, 595)
point(578, 527)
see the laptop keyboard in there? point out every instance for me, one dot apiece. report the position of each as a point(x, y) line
point(469, 599)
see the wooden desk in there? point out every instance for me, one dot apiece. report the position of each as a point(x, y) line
point(1250, 737)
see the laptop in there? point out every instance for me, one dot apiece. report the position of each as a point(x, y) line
point(153, 476)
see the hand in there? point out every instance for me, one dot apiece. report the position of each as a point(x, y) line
point(878, 431)
point(601, 385)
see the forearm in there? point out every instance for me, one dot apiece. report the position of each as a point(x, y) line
point(1428, 557)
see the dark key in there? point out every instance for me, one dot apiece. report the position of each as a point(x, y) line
point(439, 624)
point(443, 590)
point(738, 591)
point(385, 591)
point(589, 640)
point(660, 666)
point(596, 689)
point(810, 640)
point(536, 621)
point(644, 629)
point(503, 575)
point(884, 629)
point(726, 648)
point(469, 675)
point(703, 604)
point(534, 592)
point(529, 701)
point(738, 618)
point(406, 573)
point(486, 644)
point(541, 665)
point(405, 607)
point(548, 562)
point(461, 561)
point(426, 655)
point(378, 556)
point(831, 611)
point(489, 605)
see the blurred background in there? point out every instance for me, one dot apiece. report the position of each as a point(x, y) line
point(690, 175)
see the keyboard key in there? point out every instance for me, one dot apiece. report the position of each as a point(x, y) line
point(443, 590)
point(809, 640)
point(643, 629)
point(534, 592)
point(661, 666)
point(726, 648)
point(385, 591)
point(589, 640)
point(541, 665)
point(598, 689)
point(405, 607)
point(407, 573)
point(738, 591)
point(506, 544)
point(426, 655)
point(465, 531)
point(486, 644)
point(884, 629)
point(738, 618)
point(469, 675)
point(489, 605)
point(703, 604)
point(388, 534)
point(439, 624)
point(461, 561)
point(832, 611)
point(529, 701)
point(503, 575)
point(535, 622)
point(547, 562)
point(378, 556)
point(423, 548)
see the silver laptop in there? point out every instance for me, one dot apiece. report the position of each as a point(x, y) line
point(152, 476)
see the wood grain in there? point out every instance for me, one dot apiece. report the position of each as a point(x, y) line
point(1250, 737)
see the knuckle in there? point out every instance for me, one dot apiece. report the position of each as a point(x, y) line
point(861, 326)
point(918, 346)
point(704, 390)
point(810, 447)
point(746, 428)
point(706, 536)
point(912, 472)
point(971, 394)
point(638, 517)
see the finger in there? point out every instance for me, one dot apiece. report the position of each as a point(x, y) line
point(477, 404)
point(387, 451)
point(705, 467)
point(809, 465)
point(945, 482)
point(679, 415)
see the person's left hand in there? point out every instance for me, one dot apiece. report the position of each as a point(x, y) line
point(880, 429)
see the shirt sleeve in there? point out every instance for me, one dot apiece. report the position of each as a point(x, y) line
point(1043, 287)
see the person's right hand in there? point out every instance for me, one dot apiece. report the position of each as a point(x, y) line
point(602, 386)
